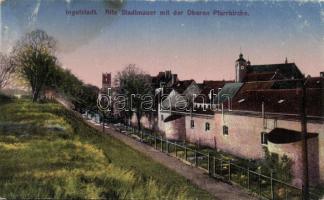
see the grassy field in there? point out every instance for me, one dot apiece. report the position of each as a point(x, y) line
point(48, 152)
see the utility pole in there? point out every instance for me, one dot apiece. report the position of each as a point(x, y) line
point(304, 139)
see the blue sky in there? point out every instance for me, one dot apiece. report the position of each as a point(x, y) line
point(199, 47)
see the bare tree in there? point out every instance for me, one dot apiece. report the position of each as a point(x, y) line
point(6, 69)
point(133, 83)
point(33, 56)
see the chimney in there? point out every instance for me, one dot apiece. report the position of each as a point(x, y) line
point(174, 78)
point(167, 74)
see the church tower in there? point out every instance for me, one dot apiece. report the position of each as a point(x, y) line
point(240, 69)
point(106, 82)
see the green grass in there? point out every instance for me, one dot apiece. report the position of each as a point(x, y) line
point(48, 152)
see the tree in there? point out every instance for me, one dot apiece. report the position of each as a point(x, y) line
point(6, 69)
point(82, 96)
point(133, 84)
point(34, 56)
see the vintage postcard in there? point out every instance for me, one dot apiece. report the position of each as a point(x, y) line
point(161, 99)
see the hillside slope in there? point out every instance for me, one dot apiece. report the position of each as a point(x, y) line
point(48, 152)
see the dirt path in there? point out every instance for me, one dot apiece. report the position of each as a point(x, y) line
point(196, 176)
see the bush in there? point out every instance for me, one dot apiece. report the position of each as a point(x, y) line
point(279, 166)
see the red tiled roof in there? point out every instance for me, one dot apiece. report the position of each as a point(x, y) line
point(315, 82)
point(206, 88)
point(286, 101)
point(181, 86)
point(257, 86)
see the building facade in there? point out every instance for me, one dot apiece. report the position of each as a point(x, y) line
point(260, 109)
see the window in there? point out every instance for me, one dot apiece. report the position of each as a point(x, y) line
point(207, 126)
point(162, 117)
point(162, 84)
point(264, 138)
point(225, 130)
point(109, 92)
point(192, 123)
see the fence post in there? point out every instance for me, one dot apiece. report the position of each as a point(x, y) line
point(221, 166)
point(272, 191)
point(185, 153)
point(142, 136)
point(208, 163)
point(259, 184)
point(167, 147)
point(196, 160)
point(214, 166)
point(161, 143)
point(176, 149)
point(155, 141)
point(149, 137)
point(248, 177)
point(229, 170)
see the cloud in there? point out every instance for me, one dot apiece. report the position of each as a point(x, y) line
point(34, 15)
